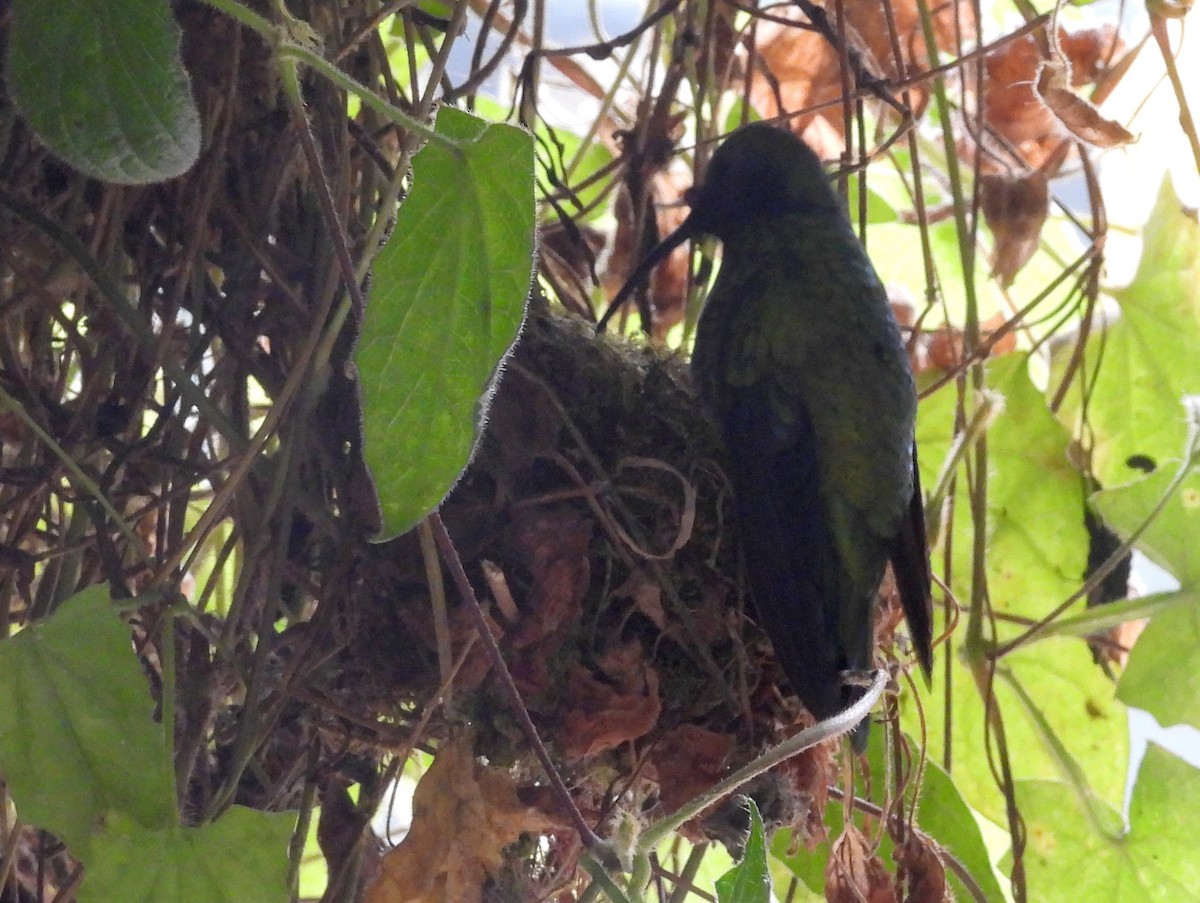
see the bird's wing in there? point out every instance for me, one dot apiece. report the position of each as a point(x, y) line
point(789, 555)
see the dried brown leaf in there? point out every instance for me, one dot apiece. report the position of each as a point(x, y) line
point(805, 72)
point(855, 874)
point(646, 595)
point(1015, 209)
point(663, 188)
point(1016, 108)
point(1090, 51)
point(554, 546)
point(1011, 106)
point(668, 281)
point(944, 350)
point(925, 871)
point(464, 815)
point(811, 774)
point(1006, 344)
point(1076, 114)
point(567, 253)
point(607, 709)
point(945, 346)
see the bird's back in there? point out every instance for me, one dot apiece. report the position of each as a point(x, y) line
point(800, 361)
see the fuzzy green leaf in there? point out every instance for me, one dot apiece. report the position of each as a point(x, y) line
point(102, 84)
point(1080, 723)
point(446, 305)
point(1031, 485)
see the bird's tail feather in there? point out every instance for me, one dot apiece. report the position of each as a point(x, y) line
point(910, 566)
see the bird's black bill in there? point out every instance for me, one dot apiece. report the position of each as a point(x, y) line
point(642, 272)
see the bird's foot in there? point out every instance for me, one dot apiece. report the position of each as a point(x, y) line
point(864, 679)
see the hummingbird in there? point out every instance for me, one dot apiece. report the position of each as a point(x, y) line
point(801, 364)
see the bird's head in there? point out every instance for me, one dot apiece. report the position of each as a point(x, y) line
point(758, 172)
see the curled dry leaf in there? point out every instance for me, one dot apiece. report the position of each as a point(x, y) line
point(619, 704)
point(552, 546)
point(890, 614)
point(796, 69)
point(669, 281)
point(464, 815)
point(651, 179)
point(624, 252)
point(999, 344)
point(567, 256)
point(1015, 208)
point(1010, 105)
point(1091, 51)
point(854, 873)
point(943, 348)
point(925, 871)
point(1014, 107)
point(1077, 115)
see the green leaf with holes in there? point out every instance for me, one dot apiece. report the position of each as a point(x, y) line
point(1146, 360)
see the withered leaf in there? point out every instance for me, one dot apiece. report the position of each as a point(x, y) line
point(811, 774)
point(1015, 209)
point(1076, 114)
point(926, 874)
point(554, 546)
point(797, 69)
point(855, 874)
point(464, 815)
point(1017, 109)
point(606, 710)
point(945, 347)
point(646, 595)
point(669, 280)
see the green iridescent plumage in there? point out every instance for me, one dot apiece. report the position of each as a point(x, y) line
point(802, 365)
